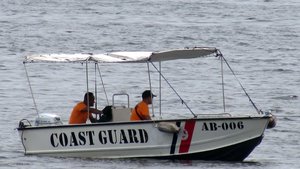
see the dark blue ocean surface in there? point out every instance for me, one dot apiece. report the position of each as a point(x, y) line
point(259, 38)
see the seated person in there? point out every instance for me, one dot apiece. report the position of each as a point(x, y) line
point(81, 112)
point(141, 110)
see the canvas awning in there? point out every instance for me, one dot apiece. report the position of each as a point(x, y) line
point(119, 57)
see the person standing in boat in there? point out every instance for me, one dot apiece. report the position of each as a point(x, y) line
point(141, 110)
point(81, 112)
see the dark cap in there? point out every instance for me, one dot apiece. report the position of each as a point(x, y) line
point(147, 93)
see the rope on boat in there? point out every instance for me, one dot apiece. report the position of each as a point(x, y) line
point(22, 138)
point(31, 91)
point(102, 84)
point(182, 101)
point(219, 54)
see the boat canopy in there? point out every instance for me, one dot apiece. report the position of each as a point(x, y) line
point(119, 57)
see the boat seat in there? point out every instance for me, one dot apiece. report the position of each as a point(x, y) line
point(121, 113)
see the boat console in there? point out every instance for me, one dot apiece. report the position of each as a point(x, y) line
point(120, 113)
point(115, 113)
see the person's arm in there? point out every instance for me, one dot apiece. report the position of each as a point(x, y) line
point(92, 110)
point(95, 111)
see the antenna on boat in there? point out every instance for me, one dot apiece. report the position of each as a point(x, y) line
point(182, 101)
point(219, 54)
point(33, 99)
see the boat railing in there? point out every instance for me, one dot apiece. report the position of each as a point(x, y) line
point(214, 115)
point(120, 94)
point(120, 113)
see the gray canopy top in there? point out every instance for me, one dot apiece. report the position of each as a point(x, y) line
point(124, 57)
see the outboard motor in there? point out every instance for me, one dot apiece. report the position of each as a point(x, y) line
point(48, 120)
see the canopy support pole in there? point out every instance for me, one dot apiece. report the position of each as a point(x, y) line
point(150, 88)
point(87, 86)
point(96, 92)
point(160, 91)
point(182, 101)
point(31, 91)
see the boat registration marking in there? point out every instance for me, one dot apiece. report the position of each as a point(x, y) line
point(213, 126)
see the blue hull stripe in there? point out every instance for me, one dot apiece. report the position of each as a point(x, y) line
point(174, 140)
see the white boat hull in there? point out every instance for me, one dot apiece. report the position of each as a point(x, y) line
point(230, 139)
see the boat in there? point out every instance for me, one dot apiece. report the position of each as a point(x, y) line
point(220, 136)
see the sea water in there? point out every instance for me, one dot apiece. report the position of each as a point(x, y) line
point(260, 39)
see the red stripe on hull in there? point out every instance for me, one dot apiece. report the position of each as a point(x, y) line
point(186, 140)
